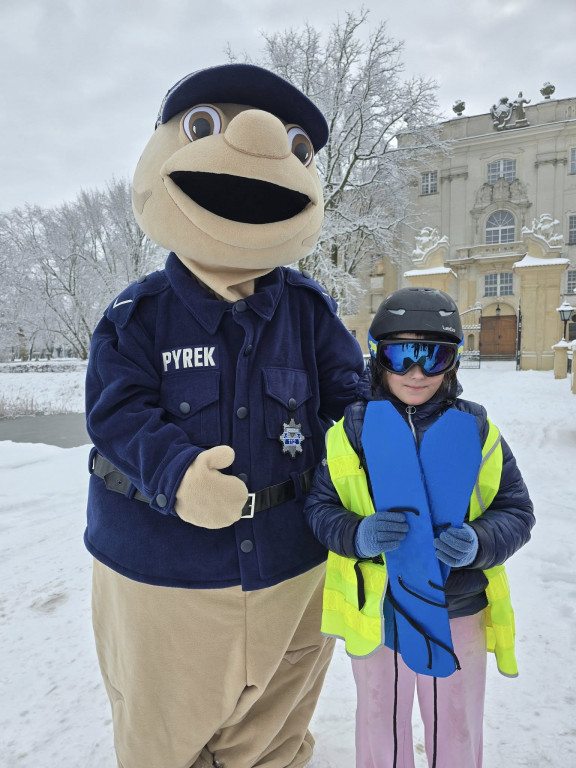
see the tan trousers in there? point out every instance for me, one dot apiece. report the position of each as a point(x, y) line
point(202, 676)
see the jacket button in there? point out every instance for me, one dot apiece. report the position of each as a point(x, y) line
point(242, 412)
point(307, 274)
point(248, 350)
point(184, 408)
point(247, 546)
point(292, 404)
point(244, 477)
point(241, 306)
point(161, 500)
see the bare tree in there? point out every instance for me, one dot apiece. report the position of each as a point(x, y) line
point(355, 77)
point(62, 266)
point(21, 315)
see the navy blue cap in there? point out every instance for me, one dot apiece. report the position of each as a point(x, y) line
point(250, 85)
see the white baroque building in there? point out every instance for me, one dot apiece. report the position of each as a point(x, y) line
point(497, 228)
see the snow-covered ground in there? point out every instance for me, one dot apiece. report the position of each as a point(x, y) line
point(59, 390)
point(53, 710)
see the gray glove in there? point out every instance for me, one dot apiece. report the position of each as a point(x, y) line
point(457, 547)
point(381, 532)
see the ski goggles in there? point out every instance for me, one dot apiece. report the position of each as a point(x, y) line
point(400, 355)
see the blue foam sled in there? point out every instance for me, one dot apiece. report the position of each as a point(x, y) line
point(438, 491)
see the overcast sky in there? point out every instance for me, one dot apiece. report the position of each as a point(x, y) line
point(81, 80)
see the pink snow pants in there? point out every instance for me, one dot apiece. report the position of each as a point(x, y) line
point(460, 705)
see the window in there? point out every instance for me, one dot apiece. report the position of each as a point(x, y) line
point(571, 230)
point(491, 285)
point(501, 169)
point(498, 284)
point(573, 160)
point(500, 228)
point(506, 284)
point(429, 183)
point(571, 281)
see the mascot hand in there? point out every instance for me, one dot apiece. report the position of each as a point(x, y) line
point(205, 496)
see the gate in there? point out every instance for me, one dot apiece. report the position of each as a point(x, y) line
point(472, 327)
point(499, 336)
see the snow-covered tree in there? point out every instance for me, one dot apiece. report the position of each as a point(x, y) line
point(62, 266)
point(355, 76)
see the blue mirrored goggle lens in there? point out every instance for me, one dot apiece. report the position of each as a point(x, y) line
point(434, 359)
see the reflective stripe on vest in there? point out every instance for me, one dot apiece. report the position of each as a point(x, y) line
point(500, 626)
point(360, 621)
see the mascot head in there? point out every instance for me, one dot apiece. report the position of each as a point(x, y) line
point(228, 180)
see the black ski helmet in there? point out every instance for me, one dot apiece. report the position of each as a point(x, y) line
point(417, 310)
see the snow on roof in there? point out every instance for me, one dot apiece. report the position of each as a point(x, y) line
point(533, 261)
point(431, 271)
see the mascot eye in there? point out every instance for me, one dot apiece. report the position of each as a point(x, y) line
point(301, 145)
point(201, 122)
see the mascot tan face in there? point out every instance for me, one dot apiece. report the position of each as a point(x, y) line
point(231, 186)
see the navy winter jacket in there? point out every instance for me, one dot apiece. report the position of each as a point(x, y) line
point(173, 371)
point(501, 530)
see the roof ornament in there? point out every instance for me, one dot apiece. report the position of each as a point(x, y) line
point(459, 106)
point(547, 90)
point(504, 112)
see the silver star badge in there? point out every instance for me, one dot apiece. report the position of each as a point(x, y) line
point(291, 438)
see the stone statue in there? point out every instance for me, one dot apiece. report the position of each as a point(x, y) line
point(518, 105)
point(501, 113)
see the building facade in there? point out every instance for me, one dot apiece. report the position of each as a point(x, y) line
point(498, 229)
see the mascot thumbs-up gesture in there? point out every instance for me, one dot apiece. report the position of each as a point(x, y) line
point(210, 386)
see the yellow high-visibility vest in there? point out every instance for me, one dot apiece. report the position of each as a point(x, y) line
point(362, 629)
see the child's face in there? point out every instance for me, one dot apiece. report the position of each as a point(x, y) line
point(413, 388)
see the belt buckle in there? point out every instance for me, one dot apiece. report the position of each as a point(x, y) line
point(251, 504)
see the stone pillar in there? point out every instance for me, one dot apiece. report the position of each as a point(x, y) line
point(454, 208)
point(540, 274)
point(560, 359)
point(573, 374)
point(382, 280)
point(440, 278)
point(545, 182)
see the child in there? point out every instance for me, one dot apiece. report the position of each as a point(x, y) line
point(419, 381)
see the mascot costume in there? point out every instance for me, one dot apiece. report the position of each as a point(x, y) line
point(210, 387)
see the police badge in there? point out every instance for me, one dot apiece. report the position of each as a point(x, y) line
point(291, 438)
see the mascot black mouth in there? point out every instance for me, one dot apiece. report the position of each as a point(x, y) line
point(237, 198)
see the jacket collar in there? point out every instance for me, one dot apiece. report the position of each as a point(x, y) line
point(437, 404)
point(209, 310)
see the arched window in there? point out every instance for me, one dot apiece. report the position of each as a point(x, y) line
point(500, 228)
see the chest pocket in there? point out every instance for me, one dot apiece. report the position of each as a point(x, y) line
point(192, 401)
point(287, 394)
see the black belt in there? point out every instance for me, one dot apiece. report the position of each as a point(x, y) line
point(266, 498)
point(114, 479)
point(277, 494)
